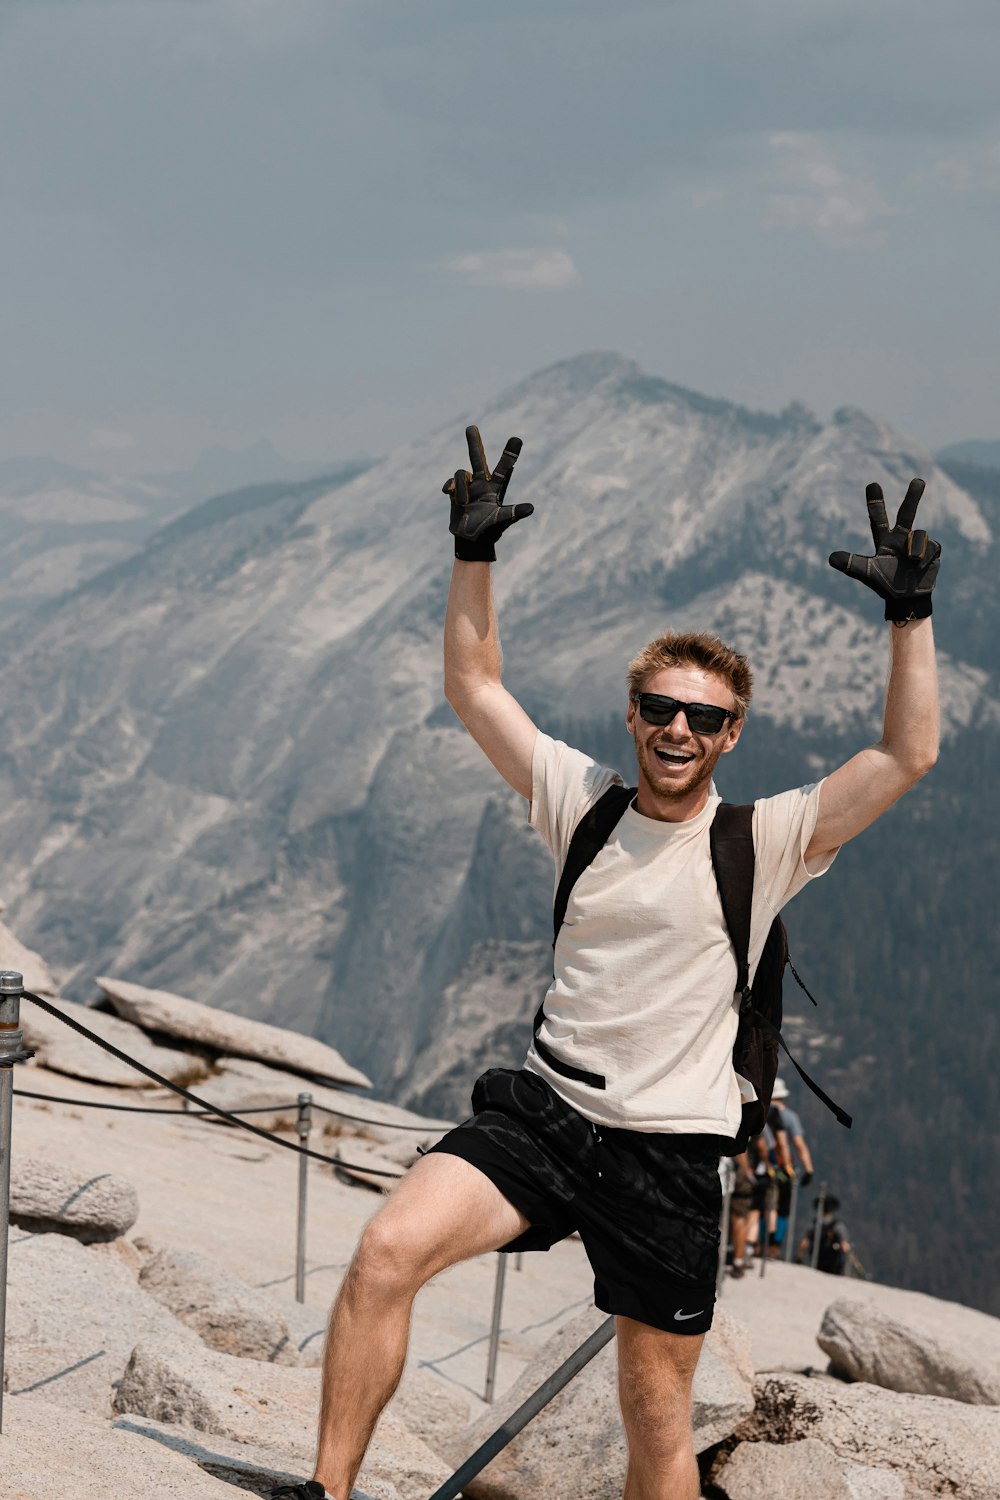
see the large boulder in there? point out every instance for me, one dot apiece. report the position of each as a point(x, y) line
point(806, 1470)
point(26, 962)
point(960, 1361)
point(61, 1049)
point(45, 1198)
point(576, 1445)
point(241, 1083)
point(74, 1313)
point(267, 1404)
point(935, 1446)
point(224, 1311)
point(221, 1031)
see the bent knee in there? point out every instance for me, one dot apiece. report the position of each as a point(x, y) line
point(391, 1257)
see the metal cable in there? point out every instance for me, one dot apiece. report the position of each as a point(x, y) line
point(148, 1109)
point(203, 1104)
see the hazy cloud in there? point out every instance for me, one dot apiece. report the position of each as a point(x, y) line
point(107, 438)
point(821, 197)
point(975, 172)
point(548, 269)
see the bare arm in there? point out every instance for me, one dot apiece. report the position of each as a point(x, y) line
point(472, 684)
point(799, 1143)
point(860, 791)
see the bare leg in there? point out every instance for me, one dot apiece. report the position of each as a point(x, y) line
point(655, 1371)
point(443, 1211)
point(739, 1225)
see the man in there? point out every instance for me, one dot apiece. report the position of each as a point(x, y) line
point(628, 1096)
point(792, 1126)
point(799, 1164)
point(834, 1242)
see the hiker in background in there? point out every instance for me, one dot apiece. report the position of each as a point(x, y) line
point(791, 1124)
point(769, 1162)
point(834, 1243)
point(630, 1090)
point(785, 1121)
point(740, 1209)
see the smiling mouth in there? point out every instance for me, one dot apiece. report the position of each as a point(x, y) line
point(673, 757)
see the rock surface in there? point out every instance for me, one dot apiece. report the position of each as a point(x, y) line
point(29, 964)
point(63, 1050)
point(257, 1403)
point(222, 1031)
point(962, 1363)
point(219, 1306)
point(576, 1445)
point(45, 1199)
point(806, 1470)
point(248, 1466)
point(90, 1457)
point(937, 1447)
point(74, 1314)
point(242, 1083)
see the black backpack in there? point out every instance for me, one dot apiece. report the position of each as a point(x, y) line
point(755, 1051)
point(832, 1255)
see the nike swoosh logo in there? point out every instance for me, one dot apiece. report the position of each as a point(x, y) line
point(680, 1317)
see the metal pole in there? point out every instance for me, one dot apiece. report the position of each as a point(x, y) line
point(303, 1125)
point(519, 1260)
point(11, 1052)
point(728, 1176)
point(770, 1200)
point(491, 1361)
point(818, 1226)
point(508, 1430)
point(793, 1208)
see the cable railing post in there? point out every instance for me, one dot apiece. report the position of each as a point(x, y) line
point(303, 1125)
point(818, 1226)
point(770, 1203)
point(491, 1361)
point(11, 1052)
point(793, 1208)
point(727, 1169)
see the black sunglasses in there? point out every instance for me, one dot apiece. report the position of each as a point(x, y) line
point(703, 718)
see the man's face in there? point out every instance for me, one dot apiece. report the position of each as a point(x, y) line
point(675, 763)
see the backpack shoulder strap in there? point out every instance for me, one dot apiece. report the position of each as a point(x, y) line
point(731, 843)
point(589, 837)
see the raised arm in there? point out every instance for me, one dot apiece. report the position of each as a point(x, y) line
point(902, 572)
point(472, 657)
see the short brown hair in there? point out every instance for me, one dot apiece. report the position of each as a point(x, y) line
point(695, 649)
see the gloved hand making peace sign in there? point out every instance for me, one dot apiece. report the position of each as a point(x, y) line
point(478, 514)
point(905, 564)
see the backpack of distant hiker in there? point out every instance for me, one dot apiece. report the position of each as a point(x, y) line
point(832, 1255)
point(758, 1037)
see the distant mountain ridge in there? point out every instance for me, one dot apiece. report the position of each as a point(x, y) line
point(980, 451)
point(231, 772)
point(60, 524)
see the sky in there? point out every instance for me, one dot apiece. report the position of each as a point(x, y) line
point(337, 224)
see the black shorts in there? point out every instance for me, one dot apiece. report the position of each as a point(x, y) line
point(645, 1206)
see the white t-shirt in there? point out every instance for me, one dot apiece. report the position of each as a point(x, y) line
point(644, 991)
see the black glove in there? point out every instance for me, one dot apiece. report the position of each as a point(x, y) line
point(478, 514)
point(805, 1179)
point(906, 562)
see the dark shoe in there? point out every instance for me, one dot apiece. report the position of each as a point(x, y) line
point(736, 1271)
point(307, 1490)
